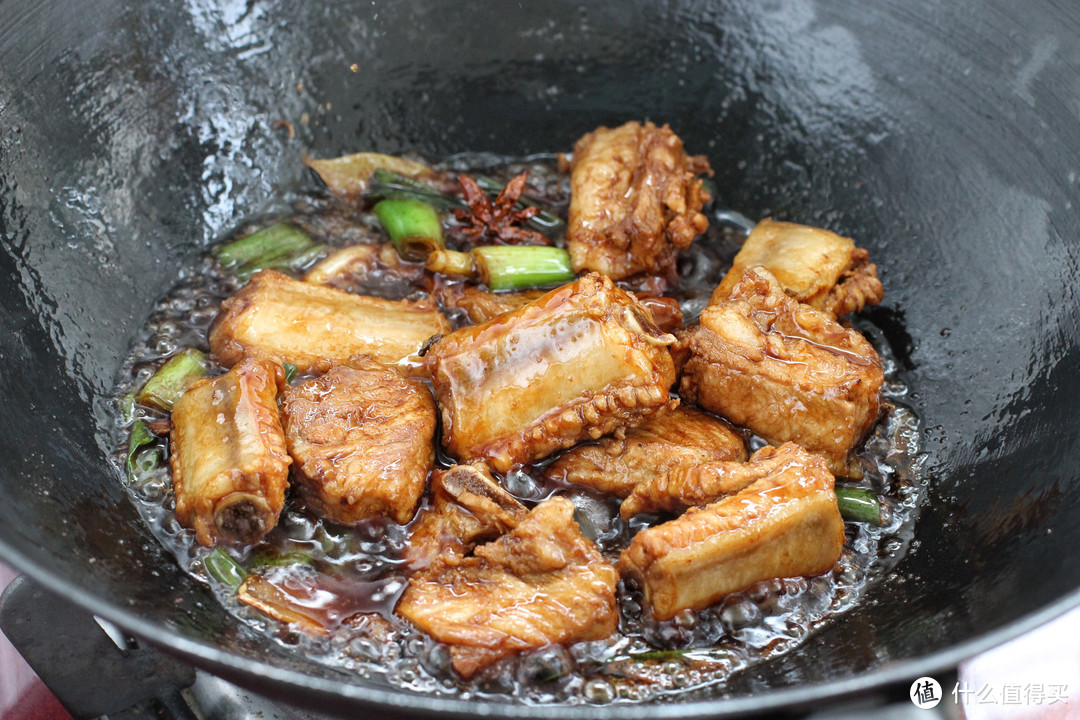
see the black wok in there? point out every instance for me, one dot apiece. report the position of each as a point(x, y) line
point(944, 136)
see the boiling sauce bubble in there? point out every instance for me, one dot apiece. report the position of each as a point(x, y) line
point(350, 578)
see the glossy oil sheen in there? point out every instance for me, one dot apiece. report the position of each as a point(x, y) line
point(331, 573)
point(942, 137)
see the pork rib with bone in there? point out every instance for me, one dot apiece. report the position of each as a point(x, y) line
point(362, 439)
point(468, 507)
point(635, 200)
point(784, 524)
point(541, 583)
point(813, 265)
point(578, 363)
point(616, 464)
point(229, 464)
point(783, 369)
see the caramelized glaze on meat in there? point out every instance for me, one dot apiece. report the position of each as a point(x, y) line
point(287, 320)
point(687, 485)
point(784, 524)
point(229, 465)
point(619, 463)
point(482, 305)
point(368, 268)
point(634, 200)
point(666, 312)
point(815, 266)
point(541, 583)
point(784, 370)
point(579, 362)
point(362, 437)
point(468, 507)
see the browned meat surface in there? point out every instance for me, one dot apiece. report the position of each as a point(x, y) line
point(229, 465)
point(287, 320)
point(482, 305)
point(362, 437)
point(579, 362)
point(666, 312)
point(813, 265)
point(688, 485)
point(634, 200)
point(468, 507)
point(785, 370)
point(541, 583)
point(368, 269)
point(619, 463)
point(785, 524)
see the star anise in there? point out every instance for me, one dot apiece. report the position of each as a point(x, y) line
point(496, 222)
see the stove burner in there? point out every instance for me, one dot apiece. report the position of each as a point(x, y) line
point(96, 671)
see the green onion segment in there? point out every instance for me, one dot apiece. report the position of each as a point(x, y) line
point(858, 505)
point(413, 225)
point(224, 569)
point(281, 246)
point(174, 378)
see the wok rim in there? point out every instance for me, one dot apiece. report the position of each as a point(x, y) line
point(239, 670)
point(252, 671)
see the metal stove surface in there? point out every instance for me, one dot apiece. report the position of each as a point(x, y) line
point(58, 662)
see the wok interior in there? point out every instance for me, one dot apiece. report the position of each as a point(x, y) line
point(941, 139)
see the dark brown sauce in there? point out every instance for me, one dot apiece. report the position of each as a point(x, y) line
point(349, 579)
